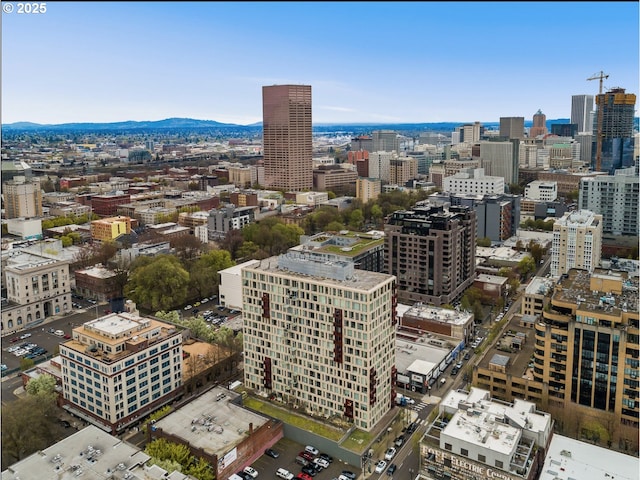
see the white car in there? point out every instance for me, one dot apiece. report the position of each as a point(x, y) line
point(380, 466)
point(251, 471)
point(389, 454)
point(25, 335)
point(321, 462)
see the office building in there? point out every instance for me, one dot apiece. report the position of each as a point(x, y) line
point(107, 205)
point(320, 337)
point(582, 113)
point(22, 199)
point(431, 251)
point(477, 437)
point(541, 190)
point(385, 141)
point(539, 126)
point(120, 367)
point(108, 229)
point(577, 242)
point(564, 129)
point(512, 127)
point(499, 160)
point(615, 197)
point(380, 165)
point(473, 181)
point(287, 138)
point(37, 288)
point(616, 110)
point(335, 178)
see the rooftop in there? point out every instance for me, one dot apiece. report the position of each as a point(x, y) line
point(88, 453)
point(213, 422)
point(341, 274)
point(443, 315)
point(569, 459)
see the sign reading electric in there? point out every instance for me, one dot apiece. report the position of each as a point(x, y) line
point(461, 463)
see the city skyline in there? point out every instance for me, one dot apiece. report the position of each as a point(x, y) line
point(382, 62)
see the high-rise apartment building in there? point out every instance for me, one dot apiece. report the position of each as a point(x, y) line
point(22, 199)
point(582, 113)
point(320, 336)
point(512, 127)
point(287, 137)
point(402, 169)
point(616, 110)
point(585, 355)
point(539, 126)
point(368, 189)
point(118, 368)
point(615, 197)
point(577, 242)
point(431, 251)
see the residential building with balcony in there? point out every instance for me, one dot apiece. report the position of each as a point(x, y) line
point(431, 251)
point(320, 336)
point(577, 242)
point(120, 367)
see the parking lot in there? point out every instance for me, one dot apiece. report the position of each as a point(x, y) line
point(288, 450)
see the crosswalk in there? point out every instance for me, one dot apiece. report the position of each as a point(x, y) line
point(419, 406)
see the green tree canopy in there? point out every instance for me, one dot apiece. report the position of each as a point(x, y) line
point(204, 272)
point(159, 285)
point(43, 387)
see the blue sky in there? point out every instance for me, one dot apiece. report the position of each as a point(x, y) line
point(366, 61)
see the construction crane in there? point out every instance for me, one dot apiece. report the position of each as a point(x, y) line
point(601, 76)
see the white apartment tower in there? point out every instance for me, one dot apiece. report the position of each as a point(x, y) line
point(320, 336)
point(577, 242)
point(473, 181)
point(616, 198)
point(119, 368)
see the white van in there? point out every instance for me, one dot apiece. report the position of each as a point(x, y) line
point(59, 333)
point(284, 474)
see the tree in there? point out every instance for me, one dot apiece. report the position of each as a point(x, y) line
point(187, 247)
point(376, 213)
point(159, 285)
point(28, 425)
point(162, 449)
point(26, 364)
point(200, 469)
point(356, 220)
point(42, 387)
point(204, 272)
point(483, 242)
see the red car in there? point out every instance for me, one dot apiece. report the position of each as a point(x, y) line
point(306, 456)
point(304, 476)
point(15, 339)
point(67, 336)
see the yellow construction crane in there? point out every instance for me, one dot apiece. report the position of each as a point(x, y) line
point(601, 76)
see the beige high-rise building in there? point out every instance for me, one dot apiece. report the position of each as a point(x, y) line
point(320, 336)
point(368, 189)
point(22, 199)
point(120, 367)
point(287, 138)
point(402, 169)
point(577, 242)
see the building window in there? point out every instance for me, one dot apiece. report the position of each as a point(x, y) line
point(499, 464)
point(482, 458)
point(447, 446)
point(464, 451)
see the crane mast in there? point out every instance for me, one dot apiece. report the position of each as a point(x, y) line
point(601, 76)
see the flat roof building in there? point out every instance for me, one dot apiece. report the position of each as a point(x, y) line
point(119, 367)
point(319, 335)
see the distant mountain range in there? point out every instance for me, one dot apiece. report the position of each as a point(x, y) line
point(190, 123)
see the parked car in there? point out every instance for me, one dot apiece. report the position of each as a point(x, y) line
point(321, 462)
point(312, 450)
point(412, 427)
point(392, 468)
point(454, 371)
point(326, 457)
point(272, 453)
point(3, 367)
point(25, 335)
point(390, 453)
point(349, 474)
point(284, 474)
point(380, 466)
point(304, 476)
point(309, 470)
point(251, 471)
point(398, 442)
point(467, 356)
